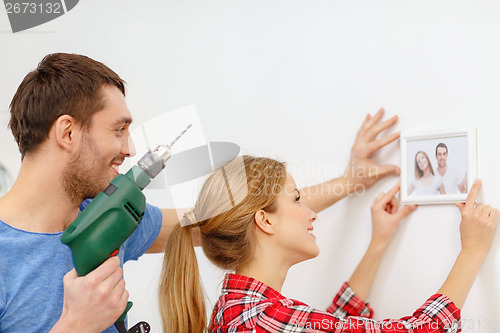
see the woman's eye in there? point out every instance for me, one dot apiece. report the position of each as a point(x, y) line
point(297, 199)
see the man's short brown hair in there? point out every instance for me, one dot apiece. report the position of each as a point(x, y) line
point(441, 145)
point(61, 84)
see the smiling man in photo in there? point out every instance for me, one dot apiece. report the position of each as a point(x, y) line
point(452, 181)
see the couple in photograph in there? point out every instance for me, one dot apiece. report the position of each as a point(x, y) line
point(447, 181)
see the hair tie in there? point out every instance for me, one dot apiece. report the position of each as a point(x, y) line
point(189, 218)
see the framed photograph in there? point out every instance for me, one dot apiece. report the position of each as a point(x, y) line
point(437, 167)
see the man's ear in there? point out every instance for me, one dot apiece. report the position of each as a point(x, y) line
point(264, 223)
point(64, 130)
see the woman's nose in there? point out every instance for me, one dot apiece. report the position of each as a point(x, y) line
point(313, 215)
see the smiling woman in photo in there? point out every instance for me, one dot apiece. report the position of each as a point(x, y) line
point(425, 181)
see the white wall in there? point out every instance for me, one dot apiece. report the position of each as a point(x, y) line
point(293, 80)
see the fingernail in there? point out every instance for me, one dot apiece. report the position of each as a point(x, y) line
point(477, 181)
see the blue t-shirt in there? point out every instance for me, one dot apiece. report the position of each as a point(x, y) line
point(32, 267)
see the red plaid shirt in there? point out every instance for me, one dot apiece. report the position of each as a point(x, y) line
point(248, 305)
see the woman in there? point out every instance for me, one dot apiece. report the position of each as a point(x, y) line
point(425, 183)
point(252, 222)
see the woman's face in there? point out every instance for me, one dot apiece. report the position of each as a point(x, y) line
point(422, 161)
point(294, 225)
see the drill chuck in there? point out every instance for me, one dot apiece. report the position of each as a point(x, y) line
point(154, 161)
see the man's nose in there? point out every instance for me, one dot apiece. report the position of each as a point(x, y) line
point(128, 149)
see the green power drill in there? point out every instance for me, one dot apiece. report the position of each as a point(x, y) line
point(112, 216)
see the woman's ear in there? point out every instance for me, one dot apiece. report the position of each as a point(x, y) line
point(63, 130)
point(264, 223)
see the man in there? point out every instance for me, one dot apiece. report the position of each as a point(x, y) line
point(71, 123)
point(452, 181)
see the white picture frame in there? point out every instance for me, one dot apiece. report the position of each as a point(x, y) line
point(460, 161)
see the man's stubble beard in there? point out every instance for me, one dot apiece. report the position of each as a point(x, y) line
point(83, 177)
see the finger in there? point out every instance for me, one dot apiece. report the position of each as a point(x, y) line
point(391, 207)
point(460, 205)
point(114, 282)
point(363, 128)
point(106, 269)
point(380, 196)
point(119, 287)
point(376, 118)
point(119, 296)
point(377, 128)
point(71, 275)
point(385, 170)
point(486, 210)
point(379, 143)
point(116, 292)
point(124, 300)
point(472, 197)
point(387, 207)
point(366, 121)
point(393, 191)
point(114, 277)
point(405, 211)
point(478, 208)
point(494, 215)
point(394, 206)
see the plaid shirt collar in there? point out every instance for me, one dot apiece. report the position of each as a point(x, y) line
point(234, 283)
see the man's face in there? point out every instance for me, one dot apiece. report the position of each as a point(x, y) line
point(103, 148)
point(441, 156)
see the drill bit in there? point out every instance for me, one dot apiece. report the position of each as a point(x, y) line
point(179, 136)
point(154, 161)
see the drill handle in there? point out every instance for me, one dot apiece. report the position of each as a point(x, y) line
point(124, 314)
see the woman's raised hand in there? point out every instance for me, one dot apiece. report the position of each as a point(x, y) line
point(386, 217)
point(478, 222)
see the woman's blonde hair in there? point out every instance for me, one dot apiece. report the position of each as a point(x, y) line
point(224, 212)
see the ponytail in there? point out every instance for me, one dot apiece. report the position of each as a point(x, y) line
point(224, 212)
point(181, 296)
